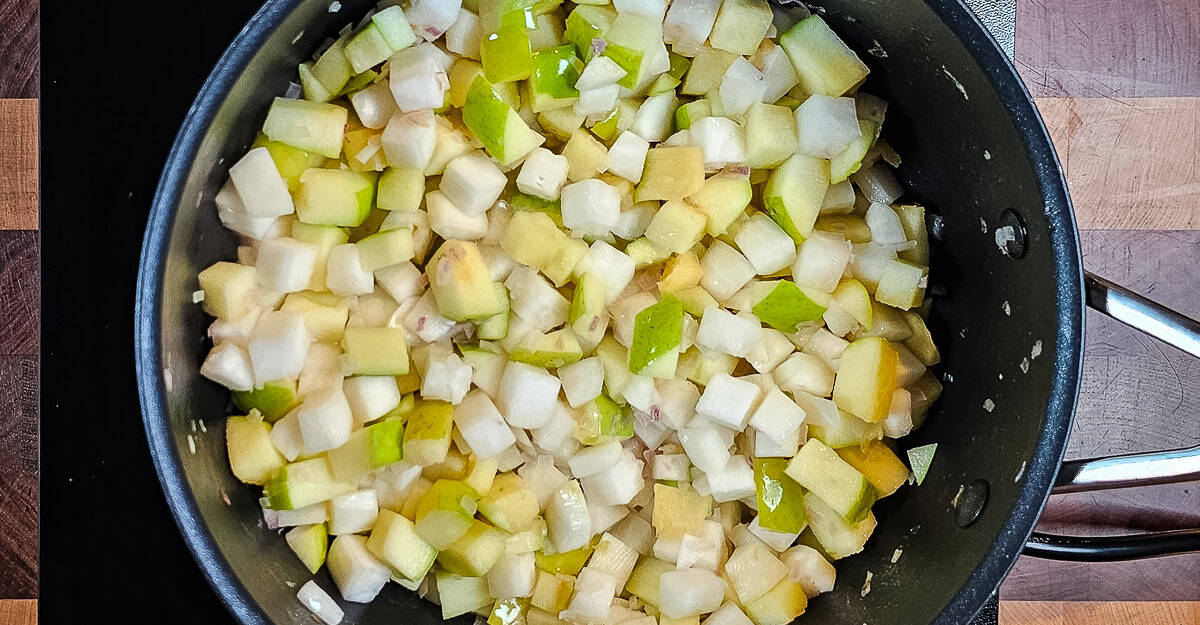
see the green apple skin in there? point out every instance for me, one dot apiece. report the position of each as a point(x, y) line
point(794, 193)
point(506, 55)
point(787, 305)
point(553, 78)
point(780, 498)
point(273, 400)
point(586, 23)
point(657, 330)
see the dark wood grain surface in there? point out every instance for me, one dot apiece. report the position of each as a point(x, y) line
point(18, 476)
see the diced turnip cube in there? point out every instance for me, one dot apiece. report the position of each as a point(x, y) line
point(374, 105)
point(320, 603)
point(402, 281)
point(878, 184)
point(358, 574)
point(325, 420)
point(805, 373)
point(446, 378)
point(641, 393)
point(535, 300)
point(770, 352)
point(727, 333)
point(728, 401)
point(582, 381)
point(821, 261)
point(228, 364)
point(431, 18)
point(810, 569)
point(777, 416)
point(232, 213)
point(651, 9)
point(633, 222)
point(590, 208)
point(827, 347)
point(617, 485)
point(556, 437)
point(776, 540)
point(728, 614)
point(464, 36)
point(741, 86)
point(825, 125)
point(512, 576)
point(259, 186)
point(542, 477)
point(472, 182)
point(286, 437)
point(627, 156)
point(594, 459)
point(353, 513)
point(418, 86)
point(371, 396)
point(702, 550)
point(278, 346)
point(482, 426)
point(344, 272)
point(409, 138)
point(881, 219)
point(601, 71)
point(677, 404)
point(450, 222)
point(543, 174)
point(722, 140)
point(688, 23)
point(899, 420)
point(604, 517)
point(610, 266)
point(285, 264)
point(597, 102)
point(671, 467)
point(733, 482)
point(594, 592)
point(527, 395)
point(689, 592)
point(655, 117)
point(707, 445)
point(763, 243)
point(235, 330)
point(424, 320)
point(766, 447)
point(726, 271)
point(779, 75)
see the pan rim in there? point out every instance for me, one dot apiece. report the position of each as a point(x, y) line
point(1012, 93)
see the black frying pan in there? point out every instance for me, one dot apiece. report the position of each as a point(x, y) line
point(975, 152)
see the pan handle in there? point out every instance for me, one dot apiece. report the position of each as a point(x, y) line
point(1143, 469)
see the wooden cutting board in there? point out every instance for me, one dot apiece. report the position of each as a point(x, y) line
point(1119, 87)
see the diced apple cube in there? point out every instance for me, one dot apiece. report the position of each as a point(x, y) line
point(590, 208)
point(725, 270)
point(807, 373)
point(543, 174)
point(481, 425)
point(676, 227)
point(671, 173)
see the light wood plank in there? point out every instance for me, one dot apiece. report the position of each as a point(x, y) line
point(18, 165)
point(18, 612)
point(1131, 164)
point(1099, 612)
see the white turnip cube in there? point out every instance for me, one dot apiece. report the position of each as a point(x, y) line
point(807, 373)
point(742, 86)
point(763, 243)
point(722, 140)
point(285, 264)
point(232, 213)
point(617, 485)
point(235, 330)
point(278, 346)
point(899, 420)
point(512, 576)
point(728, 401)
point(777, 416)
point(604, 517)
point(671, 467)
point(726, 271)
point(633, 221)
point(776, 540)
point(353, 513)
point(450, 222)
point(259, 186)
point(418, 86)
point(344, 272)
point(431, 18)
point(543, 174)
point(650, 9)
point(358, 574)
point(688, 23)
point(733, 482)
point(557, 436)
point(597, 102)
point(770, 352)
point(690, 592)
point(325, 420)
point(655, 117)
point(535, 300)
point(286, 437)
point(722, 331)
point(599, 72)
point(228, 364)
point(884, 224)
point(481, 425)
point(594, 593)
point(320, 603)
point(542, 477)
point(779, 75)
point(641, 393)
point(464, 35)
point(827, 347)
point(627, 156)
point(402, 281)
point(766, 447)
point(728, 614)
point(677, 403)
point(424, 320)
point(590, 208)
point(810, 569)
point(707, 445)
point(371, 396)
point(472, 182)
point(821, 261)
point(825, 125)
point(374, 105)
point(611, 266)
point(582, 381)
point(527, 395)
point(446, 378)
point(409, 138)
point(594, 459)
